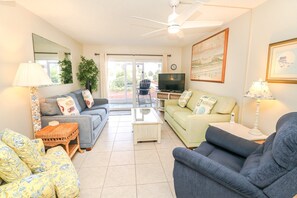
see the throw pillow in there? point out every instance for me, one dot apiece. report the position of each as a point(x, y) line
point(67, 106)
point(25, 149)
point(204, 105)
point(11, 166)
point(88, 98)
point(184, 98)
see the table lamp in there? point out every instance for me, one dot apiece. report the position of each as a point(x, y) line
point(32, 75)
point(258, 91)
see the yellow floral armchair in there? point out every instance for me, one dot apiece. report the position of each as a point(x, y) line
point(27, 171)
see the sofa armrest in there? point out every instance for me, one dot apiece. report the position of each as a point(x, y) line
point(196, 125)
point(84, 122)
point(230, 142)
point(171, 102)
point(37, 185)
point(100, 101)
point(216, 172)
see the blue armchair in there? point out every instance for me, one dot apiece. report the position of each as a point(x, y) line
point(227, 166)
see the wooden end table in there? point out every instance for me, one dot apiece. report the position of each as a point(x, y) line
point(240, 131)
point(61, 134)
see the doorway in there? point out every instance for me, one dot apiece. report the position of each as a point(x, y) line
point(124, 76)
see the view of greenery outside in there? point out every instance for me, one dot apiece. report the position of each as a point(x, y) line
point(120, 79)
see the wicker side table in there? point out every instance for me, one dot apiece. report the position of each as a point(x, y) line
point(61, 134)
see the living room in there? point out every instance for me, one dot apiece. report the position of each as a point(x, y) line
point(249, 37)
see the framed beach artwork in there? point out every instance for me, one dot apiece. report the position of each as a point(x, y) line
point(209, 58)
point(282, 62)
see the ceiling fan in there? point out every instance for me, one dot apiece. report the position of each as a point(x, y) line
point(177, 22)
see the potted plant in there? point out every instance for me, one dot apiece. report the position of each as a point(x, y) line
point(88, 74)
point(66, 71)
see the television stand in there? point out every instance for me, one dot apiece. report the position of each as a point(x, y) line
point(162, 96)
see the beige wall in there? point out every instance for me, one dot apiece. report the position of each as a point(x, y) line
point(272, 22)
point(236, 61)
point(16, 28)
point(249, 38)
point(89, 50)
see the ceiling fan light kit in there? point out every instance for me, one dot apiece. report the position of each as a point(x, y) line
point(173, 29)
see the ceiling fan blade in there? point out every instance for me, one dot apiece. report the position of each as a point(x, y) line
point(204, 3)
point(187, 13)
point(200, 24)
point(193, 1)
point(153, 32)
point(145, 19)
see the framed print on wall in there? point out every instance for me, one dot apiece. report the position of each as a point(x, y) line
point(209, 58)
point(282, 62)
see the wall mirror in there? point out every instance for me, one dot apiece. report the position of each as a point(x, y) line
point(54, 58)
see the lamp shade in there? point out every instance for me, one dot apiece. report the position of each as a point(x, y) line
point(31, 75)
point(259, 90)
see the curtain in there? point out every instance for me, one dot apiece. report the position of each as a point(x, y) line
point(103, 75)
point(165, 63)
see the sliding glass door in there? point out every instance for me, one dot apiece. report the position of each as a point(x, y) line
point(124, 75)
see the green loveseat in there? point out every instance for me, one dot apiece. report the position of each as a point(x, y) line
point(190, 127)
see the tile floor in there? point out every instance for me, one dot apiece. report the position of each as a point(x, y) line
point(115, 167)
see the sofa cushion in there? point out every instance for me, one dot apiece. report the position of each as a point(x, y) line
point(100, 112)
point(88, 98)
point(67, 106)
point(11, 166)
point(224, 105)
point(25, 149)
point(204, 105)
point(196, 95)
point(171, 109)
point(99, 106)
point(181, 117)
point(260, 167)
point(38, 144)
point(80, 99)
point(184, 98)
point(50, 108)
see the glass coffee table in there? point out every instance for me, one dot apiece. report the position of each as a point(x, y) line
point(146, 125)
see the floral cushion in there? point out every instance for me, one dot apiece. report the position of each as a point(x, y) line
point(67, 106)
point(38, 185)
point(184, 98)
point(62, 172)
point(204, 105)
point(11, 166)
point(88, 98)
point(38, 143)
point(25, 150)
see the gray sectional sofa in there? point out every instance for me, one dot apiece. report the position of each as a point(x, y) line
point(91, 121)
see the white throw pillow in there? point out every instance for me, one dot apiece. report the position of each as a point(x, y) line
point(67, 106)
point(88, 98)
point(205, 105)
point(184, 98)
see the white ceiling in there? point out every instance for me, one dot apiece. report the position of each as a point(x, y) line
point(109, 22)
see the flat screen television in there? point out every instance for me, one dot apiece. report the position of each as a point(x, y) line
point(171, 82)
